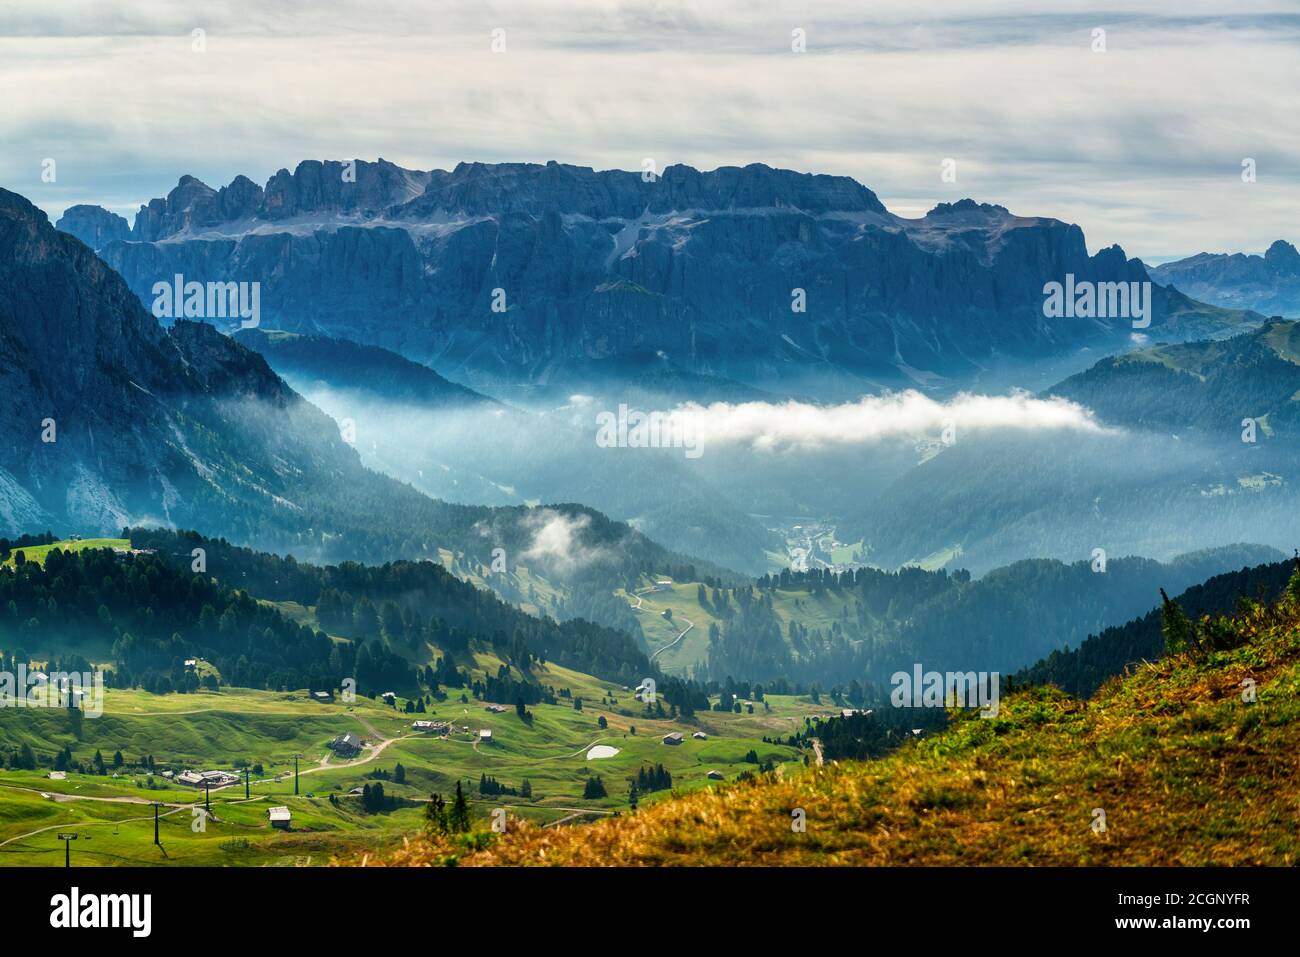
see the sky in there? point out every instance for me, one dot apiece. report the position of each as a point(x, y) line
point(1141, 143)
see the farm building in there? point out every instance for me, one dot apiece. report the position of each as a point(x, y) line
point(58, 775)
point(485, 736)
point(345, 744)
point(675, 738)
point(714, 775)
point(322, 696)
point(390, 697)
point(280, 817)
point(700, 736)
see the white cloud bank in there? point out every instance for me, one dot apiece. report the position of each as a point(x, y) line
point(899, 415)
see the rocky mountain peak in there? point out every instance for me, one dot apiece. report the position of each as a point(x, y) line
point(968, 209)
point(94, 225)
point(1283, 257)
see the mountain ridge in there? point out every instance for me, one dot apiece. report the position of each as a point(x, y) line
point(517, 272)
point(1269, 283)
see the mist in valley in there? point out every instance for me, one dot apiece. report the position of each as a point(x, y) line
point(972, 481)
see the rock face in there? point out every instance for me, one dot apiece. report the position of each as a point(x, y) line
point(113, 420)
point(521, 272)
point(1268, 284)
point(94, 225)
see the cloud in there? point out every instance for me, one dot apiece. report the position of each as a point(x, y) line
point(1122, 142)
point(873, 419)
point(557, 541)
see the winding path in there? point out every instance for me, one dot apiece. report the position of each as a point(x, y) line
point(689, 625)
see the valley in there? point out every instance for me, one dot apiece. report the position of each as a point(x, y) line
point(539, 748)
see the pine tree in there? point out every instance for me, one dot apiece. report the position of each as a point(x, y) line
point(458, 818)
point(435, 814)
point(1177, 630)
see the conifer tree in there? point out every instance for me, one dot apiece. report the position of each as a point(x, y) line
point(1177, 630)
point(458, 818)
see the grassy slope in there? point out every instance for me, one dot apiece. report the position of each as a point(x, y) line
point(1186, 772)
point(37, 553)
point(799, 604)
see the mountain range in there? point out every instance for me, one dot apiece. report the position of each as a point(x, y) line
point(499, 275)
point(1269, 283)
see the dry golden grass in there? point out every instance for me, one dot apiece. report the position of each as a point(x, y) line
point(1186, 772)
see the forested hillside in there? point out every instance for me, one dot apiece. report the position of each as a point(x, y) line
point(822, 627)
point(1200, 387)
point(1082, 669)
point(149, 611)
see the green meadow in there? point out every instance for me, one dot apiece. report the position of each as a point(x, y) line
point(37, 553)
point(113, 817)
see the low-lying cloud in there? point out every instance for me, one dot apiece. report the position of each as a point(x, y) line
point(898, 415)
point(557, 541)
